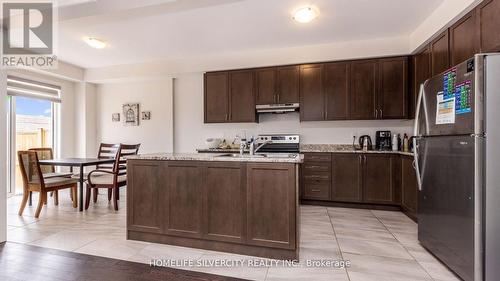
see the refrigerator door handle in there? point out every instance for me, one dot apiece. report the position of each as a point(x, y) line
point(417, 110)
point(417, 135)
point(415, 163)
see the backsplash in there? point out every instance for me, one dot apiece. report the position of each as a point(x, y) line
point(327, 132)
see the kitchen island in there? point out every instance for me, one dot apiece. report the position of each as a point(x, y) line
point(222, 202)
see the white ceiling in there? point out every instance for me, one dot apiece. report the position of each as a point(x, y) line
point(150, 30)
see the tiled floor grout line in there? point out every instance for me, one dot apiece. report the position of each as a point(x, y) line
point(406, 249)
point(338, 244)
point(74, 250)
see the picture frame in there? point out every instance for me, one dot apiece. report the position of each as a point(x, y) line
point(115, 117)
point(146, 115)
point(131, 114)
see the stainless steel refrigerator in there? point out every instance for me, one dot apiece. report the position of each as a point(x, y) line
point(457, 129)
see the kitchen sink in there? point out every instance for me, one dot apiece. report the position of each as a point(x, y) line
point(268, 155)
point(237, 155)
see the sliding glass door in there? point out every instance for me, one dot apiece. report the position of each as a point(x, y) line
point(32, 124)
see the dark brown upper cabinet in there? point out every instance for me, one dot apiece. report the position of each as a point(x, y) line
point(312, 98)
point(440, 53)
point(266, 85)
point(464, 41)
point(363, 85)
point(216, 97)
point(230, 97)
point(488, 23)
point(277, 85)
point(393, 88)
point(421, 71)
point(336, 89)
point(242, 96)
point(288, 84)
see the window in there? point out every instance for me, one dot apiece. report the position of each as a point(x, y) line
point(31, 121)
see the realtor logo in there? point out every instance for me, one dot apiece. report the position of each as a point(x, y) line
point(28, 34)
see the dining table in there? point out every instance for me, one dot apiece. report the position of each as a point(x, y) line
point(80, 163)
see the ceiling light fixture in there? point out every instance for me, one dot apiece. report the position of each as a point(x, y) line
point(305, 14)
point(95, 43)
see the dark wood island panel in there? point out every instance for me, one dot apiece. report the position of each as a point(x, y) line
point(237, 207)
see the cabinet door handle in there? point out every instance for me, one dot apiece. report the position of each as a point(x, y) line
point(278, 97)
point(317, 177)
point(316, 190)
point(315, 158)
point(314, 167)
point(226, 117)
point(381, 113)
point(376, 113)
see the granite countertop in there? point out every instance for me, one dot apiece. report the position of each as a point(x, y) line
point(343, 148)
point(305, 148)
point(214, 157)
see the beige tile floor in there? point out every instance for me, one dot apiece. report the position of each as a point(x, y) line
point(380, 245)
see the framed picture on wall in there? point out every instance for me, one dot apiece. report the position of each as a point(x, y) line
point(146, 115)
point(131, 114)
point(115, 117)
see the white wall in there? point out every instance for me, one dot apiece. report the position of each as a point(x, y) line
point(155, 135)
point(3, 156)
point(190, 131)
point(447, 13)
point(86, 120)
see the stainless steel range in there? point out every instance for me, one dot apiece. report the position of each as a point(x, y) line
point(278, 143)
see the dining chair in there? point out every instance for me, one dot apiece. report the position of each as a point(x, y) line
point(48, 171)
point(111, 180)
point(34, 181)
point(106, 151)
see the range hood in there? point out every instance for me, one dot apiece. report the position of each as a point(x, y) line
point(277, 108)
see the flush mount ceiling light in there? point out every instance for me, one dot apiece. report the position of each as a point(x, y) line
point(95, 43)
point(305, 14)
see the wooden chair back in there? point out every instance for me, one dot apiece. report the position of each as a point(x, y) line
point(107, 151)
point(120, 167)
point(30, 169)
point(45, 153)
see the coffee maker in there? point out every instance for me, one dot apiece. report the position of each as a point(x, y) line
point(383, 140)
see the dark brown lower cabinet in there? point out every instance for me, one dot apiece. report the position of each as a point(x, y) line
point(143, 196)
point(347, 177)
point(271, 205)
point(245, 208)
point(316, 176)
point(379, 186)
point(409, 187)
point(224, 202)
point(366, 178)
point(183, 199)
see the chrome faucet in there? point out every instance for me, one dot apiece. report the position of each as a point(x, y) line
point(254, 149)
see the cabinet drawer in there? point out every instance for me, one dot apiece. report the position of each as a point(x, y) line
point(317, 157)
point(317, 191)
point(317, 177)
point(315, 167)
